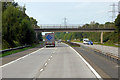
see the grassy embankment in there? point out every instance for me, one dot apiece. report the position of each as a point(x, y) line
point(108, 44)
point(104, 44)
point(19, 50)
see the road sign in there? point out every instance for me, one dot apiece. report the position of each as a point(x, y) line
point(49, 37)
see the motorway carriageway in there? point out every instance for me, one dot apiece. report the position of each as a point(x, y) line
point(105, 66)
point(61, 61)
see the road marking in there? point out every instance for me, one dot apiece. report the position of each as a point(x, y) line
point(96, 74)
point(117, 66)
point(41, 70)
point(51, 56)
point(34, 78)
point(46, 64)
point(91, 68)
point(20, 58)
point(49, 59)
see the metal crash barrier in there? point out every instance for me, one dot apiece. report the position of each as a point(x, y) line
point(16, 48)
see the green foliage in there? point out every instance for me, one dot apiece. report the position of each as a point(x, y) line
point(17, 27)
point(34, 22)
point(40, 37)
point(19, 50)
point(109, 37)
point(78, 36)
point(5, 44)
point(117, 23)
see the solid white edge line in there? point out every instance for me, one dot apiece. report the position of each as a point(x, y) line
point(91, 68)
point(41, 70)
point(20, 58)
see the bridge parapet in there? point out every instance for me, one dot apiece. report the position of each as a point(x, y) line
point(78, 26)
point(60, 26)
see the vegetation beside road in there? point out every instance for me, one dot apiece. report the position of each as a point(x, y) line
point(17, 26)
point(108, 44)
point(104, 44)
point(109, 38)
point(19, 50)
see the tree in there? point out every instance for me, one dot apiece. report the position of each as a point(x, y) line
point(34, 22)
point(17, 27)
point(9, 17)
point(117, 23)
point(40, 36)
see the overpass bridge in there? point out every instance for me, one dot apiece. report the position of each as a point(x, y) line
point(75, 28)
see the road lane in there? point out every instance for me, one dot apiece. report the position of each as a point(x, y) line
point(66, 64)
point(29, 66)
point(109, 68)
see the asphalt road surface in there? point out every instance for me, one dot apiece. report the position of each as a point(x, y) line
point(58, 62)
point(107, 68)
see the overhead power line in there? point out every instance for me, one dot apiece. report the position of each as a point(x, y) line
point(113, 11)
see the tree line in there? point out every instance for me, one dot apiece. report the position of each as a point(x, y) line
point(17, 26)
point(109, 37)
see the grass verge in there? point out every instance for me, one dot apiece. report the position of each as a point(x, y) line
point(19, 50)
point(104, 44)
point(77, 41)
point(107, 44)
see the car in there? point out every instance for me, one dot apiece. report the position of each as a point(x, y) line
point(68, 40)
point(90, 43)
point(59, 41)
point(85, 41)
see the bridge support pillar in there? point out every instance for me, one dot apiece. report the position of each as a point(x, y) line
point(101, 37)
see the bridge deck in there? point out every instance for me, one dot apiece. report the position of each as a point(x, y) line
point(75, 30)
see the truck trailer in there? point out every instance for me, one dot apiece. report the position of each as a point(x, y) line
point(50, 39)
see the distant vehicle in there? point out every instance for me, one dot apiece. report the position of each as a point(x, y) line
point(85, 41)
point(50, 39)
point(59, 41)
point(90, 43)
point(68, 40)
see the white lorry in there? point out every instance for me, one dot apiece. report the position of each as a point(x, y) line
point(50, 39)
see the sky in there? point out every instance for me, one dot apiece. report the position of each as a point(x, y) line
point(75, 12)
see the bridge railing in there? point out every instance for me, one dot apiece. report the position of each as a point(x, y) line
point(60, 26)
point(76, 26)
